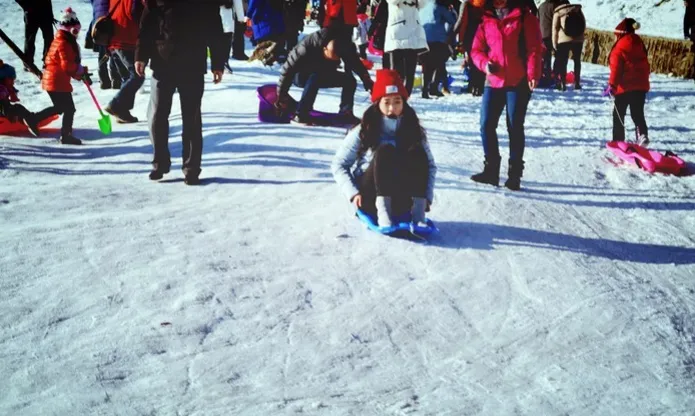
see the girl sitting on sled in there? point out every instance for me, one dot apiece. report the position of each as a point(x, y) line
point(385, 166)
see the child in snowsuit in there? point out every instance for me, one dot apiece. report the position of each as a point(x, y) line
point(62, 64)
point(8, 100)
point(385, 166)
point(629, 80)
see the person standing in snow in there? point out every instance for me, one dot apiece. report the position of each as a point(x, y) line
point(38, 14)
point(385, 166)
point(179, 63)
point(546, 12)
point(9, 107)
point(112, 73)
point(293, 12)
point(232, 15)
point(238, 44)
point(340, 15)
point(377, 30)
point(405, 38)
point(126, 26)
point(689, 22)
point(469, 19)
point(569, 25)
point(629, 80)
point(313, 65)
point(63, 63)
point(508, 46)
point(434, 17)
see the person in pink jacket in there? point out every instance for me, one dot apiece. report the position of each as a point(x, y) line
point(507, 47)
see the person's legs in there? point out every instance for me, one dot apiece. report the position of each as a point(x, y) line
point(311, 90)
point(620, 104)
point(104, 78)
point(547, 56)
point(31, 28)
point(577, 49)
point(494, 100)
point(161, 96)
point(191, 94)
point(124, 100)
point(517, 105)
point(414, 178)
point(441, 55)
point(561, 58)
point(410, 67)
point(238, 42)
point(47, 32)
point(636, 102)
point(63, 104)
point(427, 72)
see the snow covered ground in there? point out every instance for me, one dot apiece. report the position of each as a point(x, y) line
point(259, 294)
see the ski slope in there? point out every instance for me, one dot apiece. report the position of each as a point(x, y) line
point(258, 293)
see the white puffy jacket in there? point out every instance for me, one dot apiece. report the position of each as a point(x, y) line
point(404, 30)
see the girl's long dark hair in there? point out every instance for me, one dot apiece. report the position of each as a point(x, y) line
point(410, 133)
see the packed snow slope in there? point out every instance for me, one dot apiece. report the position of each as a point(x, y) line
point(259, 293)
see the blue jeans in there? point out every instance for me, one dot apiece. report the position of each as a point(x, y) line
point(318, 80)
point(125, 97)
point(494, 100)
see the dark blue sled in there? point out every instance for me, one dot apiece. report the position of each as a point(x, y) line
point(402, 224)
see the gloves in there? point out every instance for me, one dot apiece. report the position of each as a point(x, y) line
point(609, 91)
point(281, 104)
point(86, 77)
point(492, 67)
point(368, 84)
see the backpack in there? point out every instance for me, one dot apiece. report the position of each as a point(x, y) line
point(575, 23)
point(103, 28)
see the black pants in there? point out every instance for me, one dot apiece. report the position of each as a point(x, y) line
point(398, 173)
point(62, 104)
point(190, 88)
point(228, 44)
point(32, 24)
point(547, 56)
point(635, 100)
point(562, 56)
point(386, 61)
point(238, 41)
point(404, 61)
point(434, 66)
point(13, 112)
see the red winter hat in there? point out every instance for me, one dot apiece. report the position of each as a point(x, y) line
point(628, 25)
point(388, 82)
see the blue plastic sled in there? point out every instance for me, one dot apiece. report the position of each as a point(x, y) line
point(402, 224)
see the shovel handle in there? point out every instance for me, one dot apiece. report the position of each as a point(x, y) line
point(94, 98)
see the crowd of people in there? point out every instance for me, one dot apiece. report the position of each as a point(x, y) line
point(385, 165)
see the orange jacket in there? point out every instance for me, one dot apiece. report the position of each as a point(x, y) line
point(334, 8)
point(126, 19)
point(62, 63)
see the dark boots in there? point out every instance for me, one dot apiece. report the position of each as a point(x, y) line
point(516, 170)
point(491, 173)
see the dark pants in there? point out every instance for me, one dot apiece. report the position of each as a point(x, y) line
point(190, 88)
point(111, 70)
point(398, 173)
point(318, 80)
point(124, 100)
point(404, 61)
point(32, 24)
point(516, 100)
point(547, 56)
point(562, 56)
point(228, 43)
point(635, 100)
point(238, 41)
point(386, 61)
point(434, 65)
point(62, 104)
point(13, 112)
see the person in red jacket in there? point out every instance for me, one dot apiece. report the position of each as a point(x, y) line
point(340, 14)
point(62, 65)
point(629, 80)
point(126, 27)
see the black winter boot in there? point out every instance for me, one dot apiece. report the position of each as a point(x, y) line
point(515, 172)
point(491, 172)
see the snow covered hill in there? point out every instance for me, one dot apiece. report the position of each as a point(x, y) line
point(258, 293)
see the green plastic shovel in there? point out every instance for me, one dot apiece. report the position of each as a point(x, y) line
point(105, 120)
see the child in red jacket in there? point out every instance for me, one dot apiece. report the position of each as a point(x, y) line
point(63, 64)
point(629, 80)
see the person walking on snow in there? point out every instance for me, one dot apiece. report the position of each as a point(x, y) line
point(469, 19)
point(629, 80)
point(313, 65)
point(385, 166)
point(569, 25)
point(179, 63)
point(508, 47)
point(63, 63)
point(38, 14)
point(112, 73)
point(405, 38)
point(546, 12)
point(232, 15)
point(435, 16)
point(126, 26)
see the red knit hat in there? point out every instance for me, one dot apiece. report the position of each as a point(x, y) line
point(628, 25)
point(388, 82)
